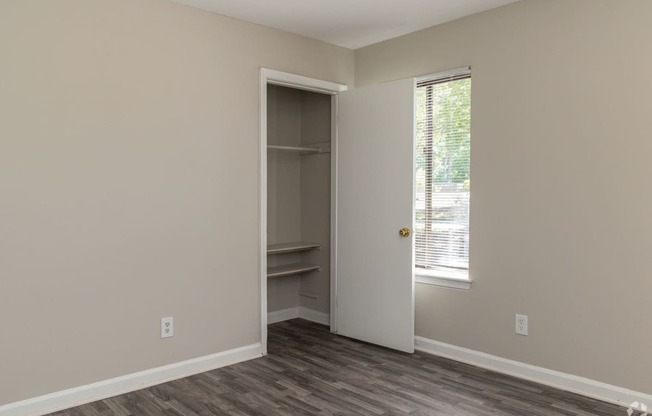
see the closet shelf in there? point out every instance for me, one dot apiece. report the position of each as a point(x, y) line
point(299, 149)
point(292, 247)
point(290, 269)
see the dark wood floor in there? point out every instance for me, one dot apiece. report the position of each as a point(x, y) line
point(309, 371)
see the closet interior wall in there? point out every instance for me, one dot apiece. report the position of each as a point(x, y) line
point(298, 195)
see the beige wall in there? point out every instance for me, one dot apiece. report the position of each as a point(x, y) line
point(283, 195)
point(316, 201)
point(561, 168)
point(129, 184)
point(298, 196)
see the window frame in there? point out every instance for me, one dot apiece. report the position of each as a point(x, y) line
point(438, 277)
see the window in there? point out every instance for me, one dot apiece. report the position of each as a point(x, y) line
point(442, 189)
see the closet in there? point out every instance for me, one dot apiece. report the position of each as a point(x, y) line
point(337, 179)
point(298, 203)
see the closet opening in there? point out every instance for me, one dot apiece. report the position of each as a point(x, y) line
point(298, 157)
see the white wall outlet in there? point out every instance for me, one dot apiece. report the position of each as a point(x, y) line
point(521, 324)
point(167, 327)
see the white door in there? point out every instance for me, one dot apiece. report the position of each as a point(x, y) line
point(375, 285)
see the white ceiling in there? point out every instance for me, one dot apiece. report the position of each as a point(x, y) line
point(349, 23)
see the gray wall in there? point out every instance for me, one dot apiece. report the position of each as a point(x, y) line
point(129, 183)
point(560, 205)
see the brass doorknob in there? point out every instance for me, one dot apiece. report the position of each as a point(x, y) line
point(404, 232)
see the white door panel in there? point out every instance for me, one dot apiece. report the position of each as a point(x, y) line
point(375, 285)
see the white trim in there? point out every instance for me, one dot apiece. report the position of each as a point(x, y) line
point(120, 385)
point(334, 178)
point(282, 315)
point(270, 76)
point(568, 382)
point(286, 79)
point(262, 209)
point(298, 312)
point(449, 282)
point(314, 316)
point(464, 70)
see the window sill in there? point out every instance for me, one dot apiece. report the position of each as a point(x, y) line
point(438, 279)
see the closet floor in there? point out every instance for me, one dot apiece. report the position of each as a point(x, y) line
point(310, 371)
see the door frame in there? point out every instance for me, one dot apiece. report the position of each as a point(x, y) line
point(285, 79)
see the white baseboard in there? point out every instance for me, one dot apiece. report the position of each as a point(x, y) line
point(298, 312)
point(580, 385)
point(97, 391)
point(108, 388)
point(314, 316)
point(282, 315)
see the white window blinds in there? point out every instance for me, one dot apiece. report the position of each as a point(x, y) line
point(443, 140)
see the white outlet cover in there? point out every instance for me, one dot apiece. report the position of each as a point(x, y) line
point(167, 327)
point(521, 325)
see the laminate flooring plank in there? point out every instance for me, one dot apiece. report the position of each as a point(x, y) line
point(309, 371)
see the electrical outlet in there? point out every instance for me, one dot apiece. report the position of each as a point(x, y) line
point(167, 327)
point(521, 324)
